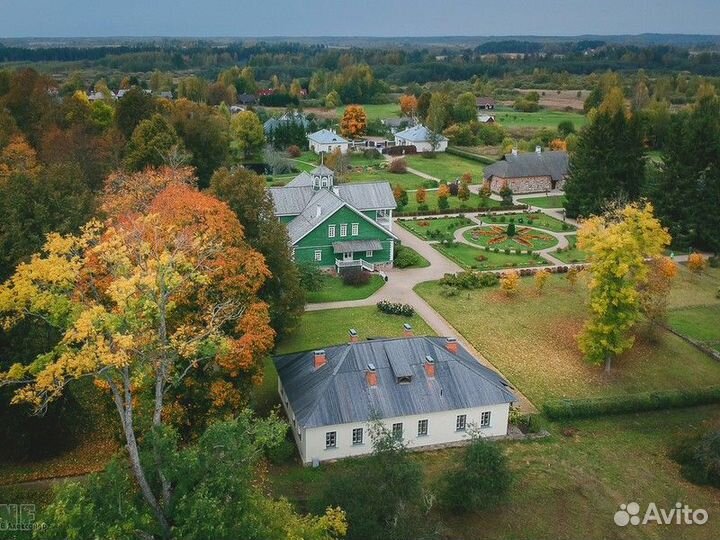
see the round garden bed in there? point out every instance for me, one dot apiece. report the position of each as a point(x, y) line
point(514, 237)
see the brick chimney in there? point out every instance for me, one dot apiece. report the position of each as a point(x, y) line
point(353, 335)
point(319, 359)
point(371, 375)
point(451, 344)
point(430, 367)
point(407, 330)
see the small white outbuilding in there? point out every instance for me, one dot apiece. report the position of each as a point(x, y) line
point(421, 138)
point(327, 141)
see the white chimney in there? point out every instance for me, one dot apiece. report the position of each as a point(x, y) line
point(538, 149)
point(336, 190)
point(318, 211)
point(514, 151)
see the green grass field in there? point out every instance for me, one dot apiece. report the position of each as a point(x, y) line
point(551, 201)
point(376, 112)
point(510, 118)
point(428, 228)
point(407, 180)
point(539, 240)
point(701, 323)
point(472, 258)
point(431, 200)
point(571, 254)
point(539, 220)
point(334, 290)
point(531, 338)
point(692, 290)
point(446, 166)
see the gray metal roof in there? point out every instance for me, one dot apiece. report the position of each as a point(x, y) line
point(368, 196)
point(399, 122)
point(323, 170)
point(356, 245)
point(325, 136)
point(418, 133)
point(286, 118)
point(553, 164)
point(291, 200)
point(322, 205)
point(304, 179)
point(338, 393)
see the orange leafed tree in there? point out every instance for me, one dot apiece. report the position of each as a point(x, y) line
point(408, 105)
point(354, 121)
point(421, 195)
point(142, 302)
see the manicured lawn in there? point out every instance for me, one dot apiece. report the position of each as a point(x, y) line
point(430, 228)
point(510, 118)
point(531, 338)
point(692, 290)
point(334, 290)
point(551, 201)
point(376, 112)
point(571, 254)
point(489, 236)
point(539, 220)
point(422, 262)
point(446, 166)
point(431, 201)
point(564, 487)
point(473, 258)
point(701, 323)
point(407, 180)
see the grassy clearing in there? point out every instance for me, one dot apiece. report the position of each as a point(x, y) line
point(431, 200)
point(565, 487)
point(692, 290)
point(407, 180)
point(539, 240)
point(376, 112)
point(510, 118)
point(472, 258)
point(534, 219)
point(334, 290)
point(429, 228)
point(531, 338)
point(446, 166)
point(551, 201)
point(571, 254)
point(701, 323)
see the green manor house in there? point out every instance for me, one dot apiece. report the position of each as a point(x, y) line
point(337, 226)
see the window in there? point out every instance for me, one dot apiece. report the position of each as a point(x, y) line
point(318, 255)
point(354, 230)
point(461, 422)
point(397, 430)
point(343, 229)
point(369, 253)
point(357, 436)
point(485, 419)
point(331, 439)
point(422, 427)
point(331, 231)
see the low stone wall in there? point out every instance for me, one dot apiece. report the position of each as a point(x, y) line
point(520, 186)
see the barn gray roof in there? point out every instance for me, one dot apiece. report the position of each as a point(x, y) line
point(325, 136)
point(553, 164)
point(338, 393)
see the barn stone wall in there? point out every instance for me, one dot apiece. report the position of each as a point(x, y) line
point(528, 184)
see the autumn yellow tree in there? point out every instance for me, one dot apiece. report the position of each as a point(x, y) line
point(408, 105)
point(618, 244)
point(354, 121)
point(141, 302)
point(655, 292)
point(696, 263)
point(541, 277)
point(510, 281)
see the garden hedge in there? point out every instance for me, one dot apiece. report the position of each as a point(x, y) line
point(466, 209)
point(645, 401)
point(469, 155)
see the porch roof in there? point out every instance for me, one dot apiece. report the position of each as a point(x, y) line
point(350, 246)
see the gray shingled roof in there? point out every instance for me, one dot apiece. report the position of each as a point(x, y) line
point(325, 136)
point(304, 179)
point(324, 200)
point(368, 196)
point(553, 164)
point(418, 133)
point(291, 200)
point(356, 245)
point(338, 393)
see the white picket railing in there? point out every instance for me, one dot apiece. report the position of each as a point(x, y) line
point(365, 265)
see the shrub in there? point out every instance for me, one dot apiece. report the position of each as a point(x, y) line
point(699, 457)
point(449, 291)
point(696, 263)
point(311, 277)
point(372, 153)
point(405, 257)
point(470, 280)
point(355, 277)
point(510, 231)
point(541, 278)
point(423, 207)
point(398, 166)
point(510, 281)
point(480, 481)
point(714, 261)
point(628, 403)
point(393, 308)
point(294, 151)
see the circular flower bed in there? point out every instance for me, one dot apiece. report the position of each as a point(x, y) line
point(521, 239)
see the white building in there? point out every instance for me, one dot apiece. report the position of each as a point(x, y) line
point(421, 137)
point(327, 141)
point(427, 390)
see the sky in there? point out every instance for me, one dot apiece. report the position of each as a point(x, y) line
point(244, 18)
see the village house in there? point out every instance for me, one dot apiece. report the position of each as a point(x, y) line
point(422, 139)
point(337, 226)
point(428, 391)
point(299, 118)
point(486, 118)
point(528, 172)
point(327, 141)
point(485, 103)
point(398, 124)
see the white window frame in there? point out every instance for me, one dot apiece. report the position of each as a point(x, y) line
point(397, 429)
point(331, 231)
point(369, 253)
point(423, 427)
point(358, 436)
point(355, 229)
point(343, 230)
point(485, 417)
point(318, 255)
point(330, 440)
point(461, 422)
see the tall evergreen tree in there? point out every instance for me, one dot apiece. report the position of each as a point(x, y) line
point(609, 160)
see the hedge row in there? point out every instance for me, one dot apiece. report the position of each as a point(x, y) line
point(438, 212)
point(645, 401)
point(469, 155)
